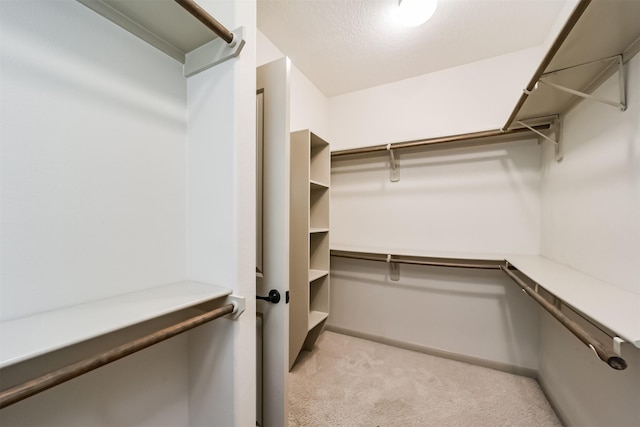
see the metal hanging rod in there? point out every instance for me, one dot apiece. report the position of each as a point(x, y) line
point(551, 53)
point(52, 379)
point(441, 140)
point(607, 356)
point(429, 261)
point(201, 15)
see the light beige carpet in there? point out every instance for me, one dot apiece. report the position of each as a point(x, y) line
point(346, 381)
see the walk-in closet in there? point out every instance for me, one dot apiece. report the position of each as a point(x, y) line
point(484, 214)
point(312, 213)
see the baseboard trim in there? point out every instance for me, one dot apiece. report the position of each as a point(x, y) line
point(553, 403)
point(498, 366)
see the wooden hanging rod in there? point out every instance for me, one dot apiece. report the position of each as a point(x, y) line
point(607, 356)
point(52, 379)
point(201, 15)
point(429, 261)
point(551, 53)
point(443, 140)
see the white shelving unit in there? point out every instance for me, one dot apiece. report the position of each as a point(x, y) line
point(25, 338)
point(309, 240)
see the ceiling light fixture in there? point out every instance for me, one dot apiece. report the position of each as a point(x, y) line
point(415, 12)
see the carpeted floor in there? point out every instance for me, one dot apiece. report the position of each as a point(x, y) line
point(348, 381)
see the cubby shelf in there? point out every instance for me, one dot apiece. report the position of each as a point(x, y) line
point(28, 337)
point(317, 274)
point(316, 317)
point(315, 185)
point(318, 230)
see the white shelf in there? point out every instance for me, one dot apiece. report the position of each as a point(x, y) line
point(318, 230)
point(614, 308)
point(317, 185)
point(315, 317)
point(317, 274)
point(470, 256)
point(162, 23)
point(24, 338)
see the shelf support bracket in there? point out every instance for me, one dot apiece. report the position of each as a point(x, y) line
point(394, 269)
point(617, 341)
point(556, 125)
point(239, 305)
point(394, 172)
point(213, 53)
point(622, 104)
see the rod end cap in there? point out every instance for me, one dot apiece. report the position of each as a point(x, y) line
point(617, 363)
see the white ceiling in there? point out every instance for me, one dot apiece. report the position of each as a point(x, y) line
point(348, 45)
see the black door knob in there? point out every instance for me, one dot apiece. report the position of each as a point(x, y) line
point(274, 296)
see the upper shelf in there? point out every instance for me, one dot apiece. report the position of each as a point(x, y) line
point(161, 23)
point(167, 26)
point(464, 140)
point(24, 338)
point(468, 256)
point(597, 30)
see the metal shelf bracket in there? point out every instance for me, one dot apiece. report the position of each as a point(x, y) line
point(622, 104)
point(394, 269)
point(556, 126)
point(394, 171)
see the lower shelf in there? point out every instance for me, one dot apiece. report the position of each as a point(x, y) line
point(25, 338)
point(613, 307)
point(316, 317)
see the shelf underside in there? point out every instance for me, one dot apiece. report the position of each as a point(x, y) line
point(162, 23)
point(606, 29)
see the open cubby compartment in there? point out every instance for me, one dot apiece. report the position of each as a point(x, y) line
point(318, 301)
point(319, 251)
point(319, 295)
point(320, 161)
point(319, 207)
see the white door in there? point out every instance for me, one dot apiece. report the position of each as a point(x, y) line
point(273, 251)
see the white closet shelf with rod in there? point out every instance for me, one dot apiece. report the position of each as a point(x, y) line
point(172, 26)
point(25, 338)
point(613, 310)
point(464, 140)
point(597, 40)
point(451, 141)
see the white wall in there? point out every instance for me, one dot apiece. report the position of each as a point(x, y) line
point(468, 98)
point(590, 222)
point(93, 186)
point(93, 159)
point(475, 200)
point(482, 200)
point(473, 315)
point(309, 106)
